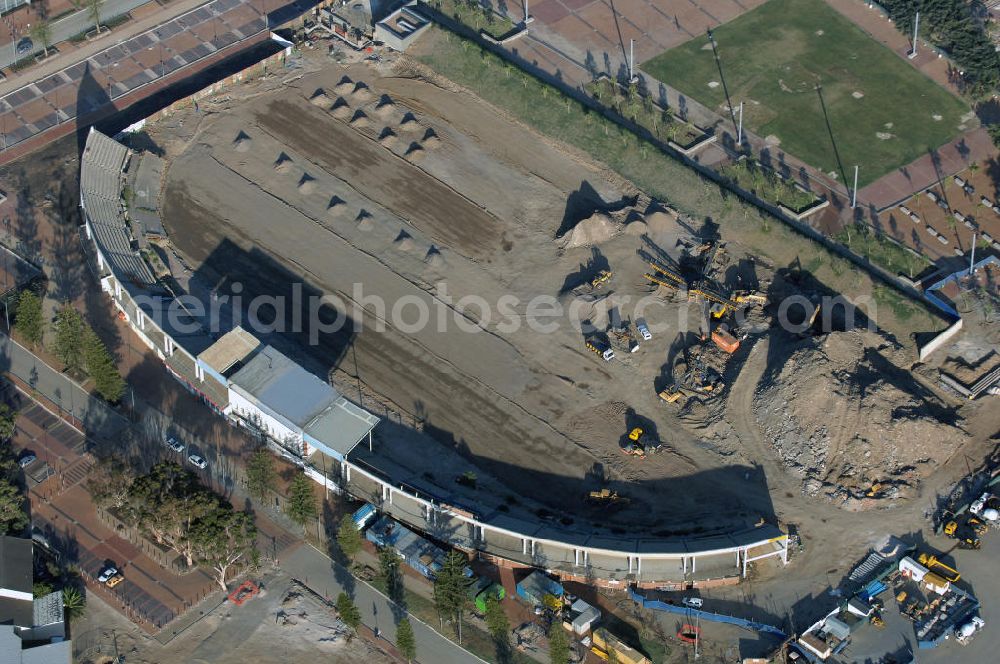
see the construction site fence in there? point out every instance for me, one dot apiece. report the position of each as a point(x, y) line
point(690, 613)
point(925, 351)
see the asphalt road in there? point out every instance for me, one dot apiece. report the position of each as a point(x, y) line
point(316, 570)
point(69, 26)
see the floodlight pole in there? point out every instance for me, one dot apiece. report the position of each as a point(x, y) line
point(854, 191)
point(631, 61)
point(916, 26)
point(725, 88)
point(972, 261)
point(528, 18)
point(739, 132)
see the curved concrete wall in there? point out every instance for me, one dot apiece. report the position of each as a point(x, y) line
point(611, 560)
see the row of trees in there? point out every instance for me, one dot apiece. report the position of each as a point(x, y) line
point(301, 507)
point(952, 26)
point(76, 344)
point(170, 505)
point(13, 518)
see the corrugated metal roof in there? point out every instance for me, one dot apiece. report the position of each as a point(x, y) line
point(341, 426)
point(281, 386)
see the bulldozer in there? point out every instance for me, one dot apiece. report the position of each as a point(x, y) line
point(606, 497)
point(603, 277)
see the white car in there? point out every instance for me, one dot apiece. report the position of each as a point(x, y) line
point(644, 331)
point(108, 573)
point(174, 444)
point(197, 461)
point(693, 602)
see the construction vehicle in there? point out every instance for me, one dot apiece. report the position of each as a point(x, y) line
point(606, 497)
point(874, 491)
point(665, 276)
point(625, 337)
point(932, 563)
point(877, 621)
point(603, 277)
point(640, 443)
point(724, 340)
point(671, 393)
point(601, 349)
point(978, 526)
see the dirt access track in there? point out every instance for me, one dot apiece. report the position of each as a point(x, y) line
point(364, 183)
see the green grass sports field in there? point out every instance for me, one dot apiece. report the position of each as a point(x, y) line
point(883, 112)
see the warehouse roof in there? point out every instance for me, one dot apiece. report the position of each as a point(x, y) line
point(232, 348)
point(281, 386)
point(340, 427)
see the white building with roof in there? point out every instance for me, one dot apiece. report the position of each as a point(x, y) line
point(278, 399)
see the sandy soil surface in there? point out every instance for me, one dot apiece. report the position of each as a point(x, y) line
point(259, 190)
point(282, 624)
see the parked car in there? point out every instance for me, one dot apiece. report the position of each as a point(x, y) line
point(174, 444)
point(693, 602)
point(107, 574)
point(25, 46)
point(26, 460)
point(114, 580)
point(197, 461)
point(643, 330)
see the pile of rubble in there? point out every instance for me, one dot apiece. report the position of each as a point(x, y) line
point(845, 418)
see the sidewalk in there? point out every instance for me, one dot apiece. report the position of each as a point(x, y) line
point(323, 576)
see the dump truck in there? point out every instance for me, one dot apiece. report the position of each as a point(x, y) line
point(724, 340)
point(931, 562)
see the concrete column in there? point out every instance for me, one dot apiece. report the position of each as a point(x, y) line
point(737, 558)
point(586, 558)
point(482, 534)
point(369, 441)
point(576, 557)
point(533, 548)
point(638, 566)
point(347, 471)
point(629, 564)
point(693, 561)
point(524, 546)
point(684, 564)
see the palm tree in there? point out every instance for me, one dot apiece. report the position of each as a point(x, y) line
point(74, 602)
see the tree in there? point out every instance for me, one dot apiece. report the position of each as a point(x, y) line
point(301, 500)
point(496, 619)
point(224, 538)
point(42, 32)
point(8, 419)
point(349, 613)
point(349, 537)
point(558, 643)
point(405, 641)
point(389, 562)
point(28, 319)
point(94, 12)
point(101, 367)
point(450, 589)
point(110, 483)
point(260, 473)
point(68, 328)
point(12, 517)
point(74, 602)
point(41, 589)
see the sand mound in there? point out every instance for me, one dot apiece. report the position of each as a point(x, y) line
point(320, 98)
point(283, 163)
point(434, 257)
point(431, 139)
point(637, 227)
point(340, 109)
point(307, 184)
point(361, 91)
point(841, 414)
point(344, 86)
point(336, 206)
point(409, 123)
point(385, 106)
point(659, 221)
point(415, 152)
point(242, 142)
point(404, 242)
point(387, 137)
point(360, 119)
point(595, 229)
point(365, 220)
